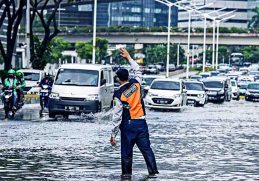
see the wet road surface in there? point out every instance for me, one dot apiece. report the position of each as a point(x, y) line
point(217, 142)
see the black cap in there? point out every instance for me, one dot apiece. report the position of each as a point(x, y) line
point(123, 74)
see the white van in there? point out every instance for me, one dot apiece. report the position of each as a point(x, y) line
point(166, 94)
point(81, 88)
point(32, 78)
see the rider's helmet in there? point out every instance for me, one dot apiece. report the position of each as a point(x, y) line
point(19, 74)
point(11, 73)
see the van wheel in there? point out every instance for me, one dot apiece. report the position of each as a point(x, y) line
point(111, 106)
point(52, 115)
point(99, 109)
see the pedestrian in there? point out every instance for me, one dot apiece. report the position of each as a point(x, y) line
point(129, 119)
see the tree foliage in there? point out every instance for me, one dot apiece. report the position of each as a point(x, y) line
point(158, 53)
point(117, 59)
point(52, 53)
point(12, 12)
point(251, 53)
point(51, 30)
point(85, 49)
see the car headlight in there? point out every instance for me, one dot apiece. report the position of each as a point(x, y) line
point(54, 95)
point(92, 97)
point(221, 92)
point(200, 95)
point(177, 95)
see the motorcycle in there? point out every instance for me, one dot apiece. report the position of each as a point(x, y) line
point(44, 97)
point(8, 103)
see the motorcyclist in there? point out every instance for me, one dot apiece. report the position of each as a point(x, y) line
point(45, 81)
point(21, 85)
point(10, 83)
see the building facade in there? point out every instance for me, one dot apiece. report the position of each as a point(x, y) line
point(243, 12)
point(147, 13)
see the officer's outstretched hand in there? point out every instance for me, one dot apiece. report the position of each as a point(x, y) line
point(113, 141)
point(125, 54)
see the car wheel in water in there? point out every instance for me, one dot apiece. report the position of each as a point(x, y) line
point(99, 109)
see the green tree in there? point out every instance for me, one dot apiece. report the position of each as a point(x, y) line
point(53, 52)
point(57, 46)
point(102, 45)
point(157, 53)
point(117, 59)
point(255, 19)
point(85, 51)
point(251, 53)
point(12, 13)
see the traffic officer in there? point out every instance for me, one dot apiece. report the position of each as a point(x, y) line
point(129, 118)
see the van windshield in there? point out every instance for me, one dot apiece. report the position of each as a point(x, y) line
point(77, 77)
point(31, 76)
point(213, 84)
point(194, 86)
point(166, 85)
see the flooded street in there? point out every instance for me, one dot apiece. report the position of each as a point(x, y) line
point(217, 142)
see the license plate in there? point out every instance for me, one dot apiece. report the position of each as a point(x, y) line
point(191, 102)
point(72, 108)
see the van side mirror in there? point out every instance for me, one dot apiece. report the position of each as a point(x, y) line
point(103, 82)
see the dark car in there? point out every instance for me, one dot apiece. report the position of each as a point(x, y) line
point(218, 89)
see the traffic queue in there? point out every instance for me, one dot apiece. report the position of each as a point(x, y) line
point(87, 88)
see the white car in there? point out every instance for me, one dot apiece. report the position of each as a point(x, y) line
point(196, 94)
point(81, 88)
point(32, 78)
point(166, 94)
point(235, 90)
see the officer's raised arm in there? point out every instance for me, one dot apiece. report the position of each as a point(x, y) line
point(134, 65)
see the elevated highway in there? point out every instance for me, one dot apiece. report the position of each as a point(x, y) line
point(242, 39)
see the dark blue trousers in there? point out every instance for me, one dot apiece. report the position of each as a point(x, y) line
point(136, 132)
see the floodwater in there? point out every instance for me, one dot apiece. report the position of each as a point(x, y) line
point(217, 142)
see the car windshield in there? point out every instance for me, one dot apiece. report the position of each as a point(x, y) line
point(205, 76)
point(195, 77)
point(77, 77)
point(233, 83)
point(194, 86)
point(243, 86)
point(166, 85)
point(253, 86)
point(31, 76)
point(149, 81)
point(213, 84)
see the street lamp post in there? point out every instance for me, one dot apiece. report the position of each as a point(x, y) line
point(204, 44)
point(28, 53)
point(217, 41)
point(205, 36)
point(168, 41)
point(170, 5)
point(94, 32)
